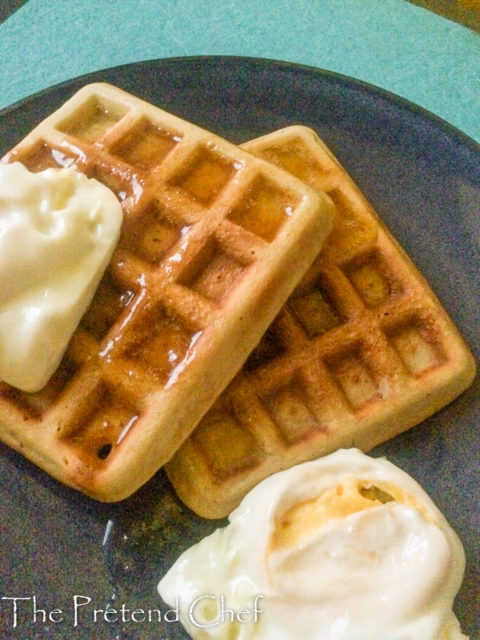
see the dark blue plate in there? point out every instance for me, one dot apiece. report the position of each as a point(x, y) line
point(423, 178)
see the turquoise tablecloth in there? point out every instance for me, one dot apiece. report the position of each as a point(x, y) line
point(390, 43)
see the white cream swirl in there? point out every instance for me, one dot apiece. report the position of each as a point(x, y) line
point(58, 230)
point(343, 548)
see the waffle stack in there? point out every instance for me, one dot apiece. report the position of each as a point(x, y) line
point(361, 351)
point(213, 242)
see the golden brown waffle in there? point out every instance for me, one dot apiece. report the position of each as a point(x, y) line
point(213, 242)
point(362, 351)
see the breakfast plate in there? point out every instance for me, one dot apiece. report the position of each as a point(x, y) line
point(65, 556)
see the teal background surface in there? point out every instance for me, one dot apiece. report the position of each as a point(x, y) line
point(392, 44)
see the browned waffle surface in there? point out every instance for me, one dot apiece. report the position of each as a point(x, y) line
point(362, 351)
point(213, 242)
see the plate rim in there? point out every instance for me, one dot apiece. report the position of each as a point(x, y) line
point(372, 90)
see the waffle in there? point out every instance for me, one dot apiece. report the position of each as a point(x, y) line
point(361, 352)
point(213, 242)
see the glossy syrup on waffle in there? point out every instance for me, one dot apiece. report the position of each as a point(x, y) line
point(213, 242)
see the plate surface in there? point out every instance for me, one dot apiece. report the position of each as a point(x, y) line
point(423, 178)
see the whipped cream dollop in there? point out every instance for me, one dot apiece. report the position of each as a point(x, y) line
point(58, 230)
point(346, 547)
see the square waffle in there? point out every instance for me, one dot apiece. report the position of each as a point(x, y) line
point(361, 352)
point(213, 242)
